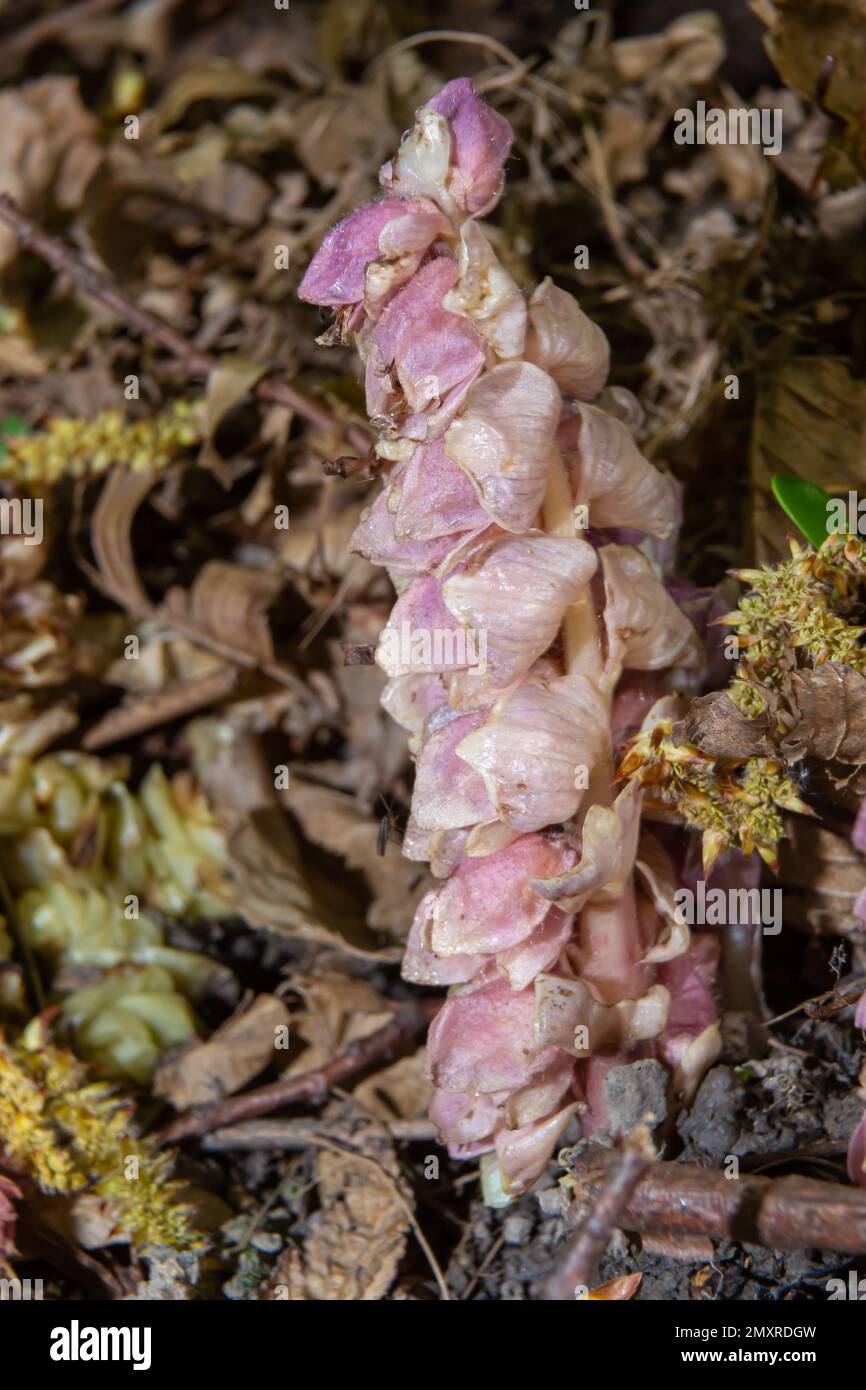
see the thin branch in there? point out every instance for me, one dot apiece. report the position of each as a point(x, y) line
point(101, 287)
point(681, 1199)
point(577, 1266)
point(410, 1019)
point(832, 1001)
point(297, 1134)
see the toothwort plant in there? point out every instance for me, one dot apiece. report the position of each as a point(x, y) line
point(554, 924)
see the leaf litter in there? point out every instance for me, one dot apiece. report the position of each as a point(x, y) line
point(193, 782)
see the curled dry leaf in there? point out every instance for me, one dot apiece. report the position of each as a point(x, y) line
point(357, 1237)
point(334, 820)
point(228, 605)
point(824, 711)
point(339, 1009)
point(50, 150)
point(830, 705)
point(715, 725)
point(122, 495)
point(613, 1291)
point(277, 884)
point(237, 1052)
point(401, 1091)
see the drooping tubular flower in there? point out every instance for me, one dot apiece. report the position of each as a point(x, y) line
point(531, 634)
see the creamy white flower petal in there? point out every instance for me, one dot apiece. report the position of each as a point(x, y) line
point(611, 475)
point(566, 343)
point(646, 630)
point(486, 294)
point(532, 750)
point(516, 591)
point(503, 438)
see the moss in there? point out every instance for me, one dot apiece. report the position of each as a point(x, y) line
point(71, 1135)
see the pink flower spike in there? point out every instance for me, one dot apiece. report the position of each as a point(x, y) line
point(454, 153)
point(335, 275)
point(488, 905)
point(504, 439)
point(425, 351)
point(481, 143)
point(481, 1040)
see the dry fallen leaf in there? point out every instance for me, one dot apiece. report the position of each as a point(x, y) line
point(277, 883)
point(227, 605)
point(831, 706)
point(824, 714)
point(237, 1052)
point(49, 151)
point(402, 1091)
point(357, 1238)
point(334, 820)
point(614, 1291)
point(715, 725)
point(339, 1008)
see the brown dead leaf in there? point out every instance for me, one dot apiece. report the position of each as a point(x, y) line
point(122, 495)
point(227, 605)
point(358, 1237)
point(614, 1291)
point(49, 152)
point(824, 713)
point(237, 1052)
point(339, 1008)
point(227, 385)
point(402, 1091)
point(715, 725)
point(830, 704)
point(793, 43)
point(334, 820)
point(278, 884)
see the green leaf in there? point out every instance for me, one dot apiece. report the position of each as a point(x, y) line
point(810, 421)
point(805, 503)
point(11, 424)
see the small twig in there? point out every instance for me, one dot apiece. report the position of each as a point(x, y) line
point(790, 1213)
point(410, 1019)
point(101, 287)
point(577, 1266)
point(826, 1004)
point(297, 1134)
point(483, 1267)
